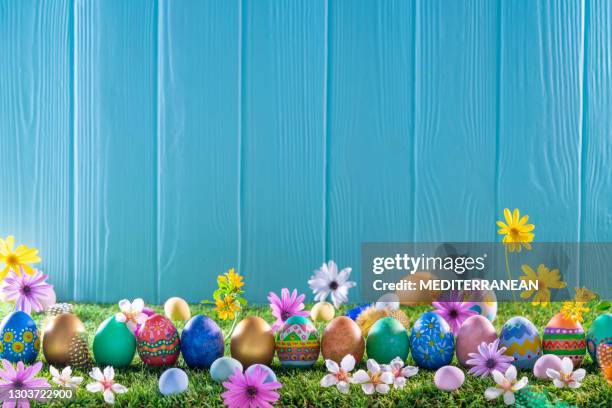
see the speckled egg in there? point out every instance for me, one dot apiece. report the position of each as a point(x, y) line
point(342, 336)
point(604, 355)
point(223, 367)
point(201, 342)
point(599, 332)
point(544, 363)
point(475, 330)
point(158, 342)
point(297, 343)
point(564, 338)
point(432, 341)
point(522, 341)
point(387, 340)
point(449, 378)
point(20, 340)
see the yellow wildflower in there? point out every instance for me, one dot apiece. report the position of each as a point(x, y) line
point(516, 231)
point(17, 259)
point(584, 295)
point(574, 310)
point(546, 279)
point(234, 279)
point(227, 308)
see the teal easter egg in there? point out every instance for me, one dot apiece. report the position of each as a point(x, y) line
point(484, 303)
point(297, 343)
point(522, 342)
point(432, 341)
point(20, 340)
point(223, 367)
point(599, 332)
point(270, 374)
point(173, 381)
point(387, 339)
point(114, 344)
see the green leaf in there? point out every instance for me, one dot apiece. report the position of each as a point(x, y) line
point(605, 305)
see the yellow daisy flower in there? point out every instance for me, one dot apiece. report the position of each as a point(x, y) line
point(516, 231)
point(584, 295)
point(234, 279)
point(547, 279)
point(574, 310)
point(227, 308)
point(16, 259)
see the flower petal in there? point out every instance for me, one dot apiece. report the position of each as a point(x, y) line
point(332, 366)
point(348, 363)
point(329, 380)
point(509, 398)
point(492, 393)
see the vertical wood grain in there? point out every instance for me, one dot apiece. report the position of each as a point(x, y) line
point(282, 228)
point(199, 145)
point(371, 127)
point(115, 149)
point(455, 121)
point(35, 132)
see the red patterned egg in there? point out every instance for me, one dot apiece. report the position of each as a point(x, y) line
point(158, 342)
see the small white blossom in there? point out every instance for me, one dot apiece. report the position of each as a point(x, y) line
point(566, 376)
point(339, 375)
point(400, 373)
point(507, 385)
point(105, 384)
point(65, 378)
point(374, 380)
point(131, 313)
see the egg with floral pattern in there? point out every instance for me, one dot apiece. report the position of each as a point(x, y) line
point(20, 340)
point(158, 341)
point(522, 342)
point(432, 341)
point(297, 343)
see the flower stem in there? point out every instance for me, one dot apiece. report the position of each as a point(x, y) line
point(229, 334)
point(509, 273)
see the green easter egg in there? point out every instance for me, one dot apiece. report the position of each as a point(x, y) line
point(387, 339)
point(114, 344)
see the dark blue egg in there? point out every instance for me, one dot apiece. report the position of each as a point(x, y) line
point(20, 340)
point(432, 341)
point(201, 342)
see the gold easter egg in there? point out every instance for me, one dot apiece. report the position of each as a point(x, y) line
point(417, 296)
point(322, 312)
point(253, 342)
point(57, 337)
point(177, 309)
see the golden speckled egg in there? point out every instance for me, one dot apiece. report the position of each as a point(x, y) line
point(342, 336)
point(253, 342)
point(176, 309)
point(322, 312)
point(57, 337)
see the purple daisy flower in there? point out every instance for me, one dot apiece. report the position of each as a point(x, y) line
point(29, 292)
point(286, 306)
point(489, 358)
point(454, 310)
point(19, 378)
point(250, 390)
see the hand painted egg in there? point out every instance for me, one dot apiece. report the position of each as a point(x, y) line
point(19, 338)
point(223, 367)
point(297, 343)
point(173, 381)
point(201, 342)
point(149, 312)
point(599, 332)
point(475, 330)
point(114, 344)
point(604, 355)
point(177, 309)
point(564, 338)
point(432, 341)
point(322, 312)
point(449, 378)
point(485, 303)
point(158, 342)
point(544, 363)
point(269, 378)
point(387, 340)
point(342, 336)
point(253, 342)
point(58, 335)
point(522, 341)
point(356, 311)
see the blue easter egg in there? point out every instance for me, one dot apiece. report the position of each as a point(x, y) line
point(522, 341)
point(20, 340)
point(432, 341)
point(223, 367)
point(173, 381)
point(269, 378)
point(201, 342)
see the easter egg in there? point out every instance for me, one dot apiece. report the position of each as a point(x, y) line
point(604, 355)
point(401, 317)
point(223, 367)
point(270, 374)
point(322, 312)
point(158, 341)
point(342, 336)
point(522, 341)
point(201, 342)
point(114, 344)
point(599, 332)
point(449, 378)
point(58, 335)
point(177, 309)
point(544, 363)
point(387, 340)
point(297, 343)
point(484, 303)
point(564, 338)
point(432, 341)
point(417, 296)
point(475, 330)
point(252, 342)
point(19, 338)
point(58, 309)
point(149, 312)
point(173, 381)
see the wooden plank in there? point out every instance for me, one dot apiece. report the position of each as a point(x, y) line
point(35, 132)
point(282, 177)
point(199, 145)
point(371, 127)
point(115, 149)
point(455, 121)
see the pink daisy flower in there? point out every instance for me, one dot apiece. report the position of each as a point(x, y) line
point(454, 310)
point(250, 390)
point(19, 378)
point(29, 292)
point(488, 359)
point(286, 306)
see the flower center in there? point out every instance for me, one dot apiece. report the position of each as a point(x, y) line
point(251, 391)
point(26, 290)
point(18, 384)
point(514, 233)
point(333, 285)
point(342, 376)
point(490, 363)
point(453, 313)
point(12, 260)
point(285, 316)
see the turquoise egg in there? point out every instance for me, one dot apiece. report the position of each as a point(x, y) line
point(522, 342)
point(223, 367)
point(20, 340)
point(432, 341)
point(599, 332)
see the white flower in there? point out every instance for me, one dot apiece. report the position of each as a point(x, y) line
point(131, 313)
point(339, 376)
point(65, 379)
point(327, 280)
point(400, 373)
point(506, 385)
point(567, 375)
point(104, 383)
point(374, 379)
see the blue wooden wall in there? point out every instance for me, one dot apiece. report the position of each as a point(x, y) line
point(147, 146)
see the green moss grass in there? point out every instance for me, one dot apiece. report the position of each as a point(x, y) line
point(301, 386)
